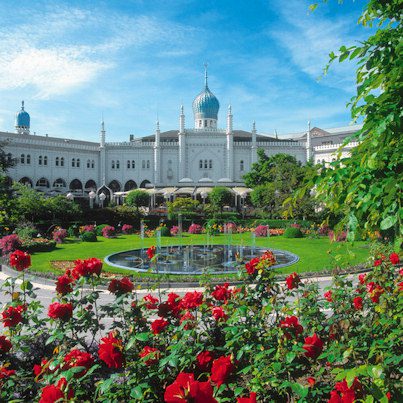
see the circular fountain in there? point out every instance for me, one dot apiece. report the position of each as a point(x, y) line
point(196, 259)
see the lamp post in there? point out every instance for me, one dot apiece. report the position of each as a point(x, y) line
point(204, 197)
point(102, 198)
point(70, 196)
point(92, 196)
point(243, 197)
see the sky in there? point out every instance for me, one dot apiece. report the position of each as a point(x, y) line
point(136, 61)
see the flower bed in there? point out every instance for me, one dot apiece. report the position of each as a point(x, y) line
point(270, 342)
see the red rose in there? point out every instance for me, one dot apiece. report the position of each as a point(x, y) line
point(221, 292)
point(44, 367)
point(204, 360)
point(151, 353)
point(374, 291)
point(188, 318)
point(357, 301)
point(186, 389)
point(400, 286)
point(12, 316)
point(6, 373)
point(87, 267)
point(52, 393)
point(110, 351)
point(377, 262)
point(250, 399)
point(77, 358)
point(251, 265)
point(63, 284)
point(5, 345)
point(221, 369)
point(311, 381)
point(60, 311)
point(20, 260)
point(328, 296)
point(122, 286)
point(170, 306)
point(394, 258)
point(344, 394)
point(361, 278)
point(191, 300)
point(292, 281)
point(151, 302)
point(151, 252)
point(291, 327)
point(313, 346)
point(218, 313)
point(159, 325)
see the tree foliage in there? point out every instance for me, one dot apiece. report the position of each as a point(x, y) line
point(219, 197)
point(137, 198)
point(185, 205)
point(366, 186)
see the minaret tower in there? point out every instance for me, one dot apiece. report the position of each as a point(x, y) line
point(22, 121)
point(308, 143)
point(182, 145)
point(102, 160)
point(157, 154)
point(230, 145)
point(253, 146)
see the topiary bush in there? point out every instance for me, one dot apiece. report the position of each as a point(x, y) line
point(293, 232)
point(165, 231)
point(88, 237)
point(99, 228)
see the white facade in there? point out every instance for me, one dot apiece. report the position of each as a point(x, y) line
point(199, 156)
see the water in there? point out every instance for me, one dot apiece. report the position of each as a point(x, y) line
point(196, 259)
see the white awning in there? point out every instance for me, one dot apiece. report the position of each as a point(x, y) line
point(185, 190)
point(240, 191)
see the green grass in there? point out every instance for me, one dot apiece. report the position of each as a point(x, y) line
point(315, 254)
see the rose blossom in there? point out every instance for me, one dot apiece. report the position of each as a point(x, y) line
point(221, 369)
point(5, 345)
point(159, 325)
point(186, 389)
point(77, 358)
point(250, 399)
point(357, 302)
point(251, 265)
point(361, 278)
point(291, 327)
point(192, 300)
point(313, 346)
point(87, 267)
point(151, 302)
point(394, 258)
point(218, 313)
point(60, 311)
point(344, 394)
point(110, 351)
point(151, 252)
point(292, 281)
point(63, 284)
point(52, 393)
point(20, 260)
point(12, 316)
point(221, 292)
point(328, 296)
point(204, 360)
point(151, 353)
point(311, 381)
point(188, 318)
point(122, 286)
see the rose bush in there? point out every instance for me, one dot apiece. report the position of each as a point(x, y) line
point(268, 342)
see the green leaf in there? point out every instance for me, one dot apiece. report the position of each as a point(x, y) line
point(388, 222)
point(143, 336)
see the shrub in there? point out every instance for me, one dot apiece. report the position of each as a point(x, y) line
point(293, 232)
point(195, 229)
point(88, 237)
point(26, 232)
point(164, 231)
point(38, 245)
point(73, 231)
point(59, 235)
point(127, 229)
point(99, 228)
point(108, 231)
point(261, 230)
point(337, 236)
point(323, 229)
point(230, 226)
point(137, 198)
point(10, 243)
point(174, 230)
point(87, 228)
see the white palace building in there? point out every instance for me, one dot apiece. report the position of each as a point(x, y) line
point(186, 161)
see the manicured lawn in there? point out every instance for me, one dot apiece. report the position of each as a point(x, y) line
point(314, 254)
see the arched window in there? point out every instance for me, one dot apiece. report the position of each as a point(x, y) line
point(43, 182)
point(200, 123)
point(40, 160)
point(113, 164)
point(205, 164)
point(78, 162)
point(88, 163)
point(59, 183)
point(45, 160)
point(210, 164)
point(148, 164)
point(143, 164)
point(201, 164)
point(117, 164)
point(73, 162)
point(57, 161)
point(62, 161)
point(241, 165)
point(128, 164)
point(92, 164)
point(22, 160)
point(133, 164)
point(28, 158)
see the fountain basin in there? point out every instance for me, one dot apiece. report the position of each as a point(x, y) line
point(196, 259)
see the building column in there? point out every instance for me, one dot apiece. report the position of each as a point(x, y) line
point(102, 159)
point(230, 146)
point(182, 146)
point(308, 143)
point(253, 147)
point(157, 155)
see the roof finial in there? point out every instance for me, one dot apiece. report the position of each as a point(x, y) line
point(205, 74)
point(22, 105)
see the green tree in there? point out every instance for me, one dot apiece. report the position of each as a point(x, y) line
point(220, 196)
point(27, 204)
point(185, 205)
point(366, 187)
point(5, 189)
point(59, 207)
point(137, 198)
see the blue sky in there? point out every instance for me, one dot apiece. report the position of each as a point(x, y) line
point(72, 61)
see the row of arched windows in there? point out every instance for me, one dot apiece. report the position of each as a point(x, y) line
point(208, 164)
point(25, 159)
point(90, 164)
point(43, 160)
point(145, 164)
point(131, 164)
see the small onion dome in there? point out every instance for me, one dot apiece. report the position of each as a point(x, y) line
point(206, 105)
point(22, 118)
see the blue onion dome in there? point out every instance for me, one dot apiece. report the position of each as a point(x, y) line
point(206, 104)
point(22, 118)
